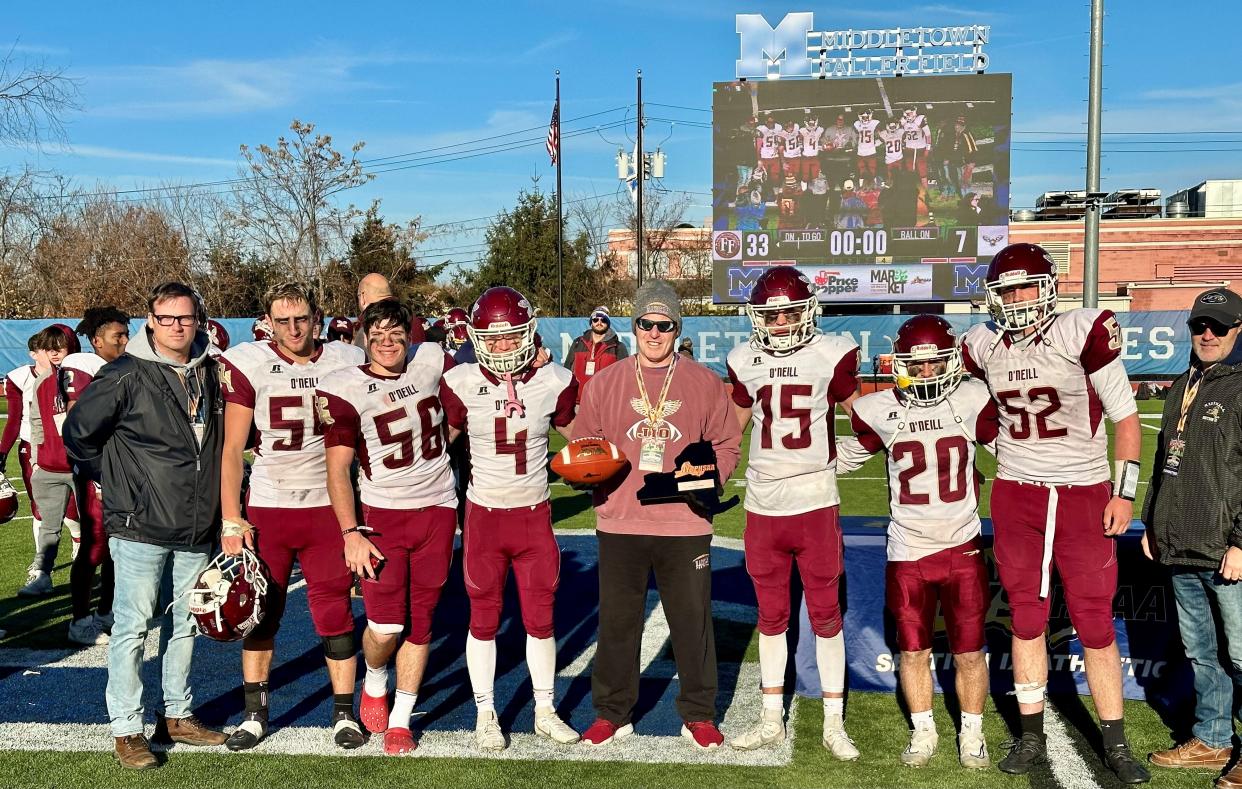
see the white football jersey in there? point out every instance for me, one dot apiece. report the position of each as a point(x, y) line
point(24, 379)
point(793, 142)
point(915, 132)
point(89, 363)
point(793, 398)
point(288, 468)
point(769, 139)
point(396, 426)
point(1052, 391)
point(892, 145)
point(866, 136)
point(933, 486)
point(508, 451)
point(810, 140)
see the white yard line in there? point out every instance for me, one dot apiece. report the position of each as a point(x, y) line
point(1068, 767)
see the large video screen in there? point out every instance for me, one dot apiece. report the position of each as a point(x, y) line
point(844, 178)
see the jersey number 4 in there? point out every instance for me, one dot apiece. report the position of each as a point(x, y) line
point(951, 455)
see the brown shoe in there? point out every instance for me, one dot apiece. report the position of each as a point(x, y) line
point(133, 753)
point(191, 731)
point(1193, 753)
point(1231, 779)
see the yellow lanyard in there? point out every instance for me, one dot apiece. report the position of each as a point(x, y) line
point(655, 415)
point(1188, 398)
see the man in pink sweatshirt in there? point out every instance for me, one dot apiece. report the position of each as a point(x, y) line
point(671, 417)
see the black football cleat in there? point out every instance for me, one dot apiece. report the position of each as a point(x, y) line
point(346, 732)
point(1121, 761)
point(243, 737)
point(1025, 752)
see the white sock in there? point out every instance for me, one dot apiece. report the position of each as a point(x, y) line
point(481, 665)
point(972, 721)
point(75, 529)
point(830, 655)
point(541, 660)
point(402, 708)
point(376, 682)
point(922, 720)
point(773, 655)
point(834, 707)
point(38, 524)
point(773, 701)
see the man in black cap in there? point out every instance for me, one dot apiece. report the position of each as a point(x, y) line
point(1193, 515)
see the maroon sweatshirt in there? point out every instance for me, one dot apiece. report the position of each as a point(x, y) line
point(697, 408)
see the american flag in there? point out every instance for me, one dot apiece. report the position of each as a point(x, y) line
point(554, 131)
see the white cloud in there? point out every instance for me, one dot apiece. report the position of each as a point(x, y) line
point(102, 152)
point(552, 42)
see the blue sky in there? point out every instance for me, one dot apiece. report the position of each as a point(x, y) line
point(169, 91)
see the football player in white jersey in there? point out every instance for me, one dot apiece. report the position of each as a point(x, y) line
point(791, 139)
point(269, 390)
point(810, 135)
point(916, 143)
point(928, 427)
point(1054, 378)
point(769, 142)
point(893, 139)
point(387, 414)
point(505, 406)
point(787, 383)
point(866, 127)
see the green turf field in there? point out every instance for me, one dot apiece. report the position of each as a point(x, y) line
point(873, 719)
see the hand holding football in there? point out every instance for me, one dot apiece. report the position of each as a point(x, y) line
point(588, 461)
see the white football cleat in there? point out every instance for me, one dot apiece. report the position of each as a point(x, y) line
point(87, 631)
point(972, 750)
point(487, 733)
point(771, 729)
point(921, 748)
point(38, 583)
point(549, 724)
point(837, 741)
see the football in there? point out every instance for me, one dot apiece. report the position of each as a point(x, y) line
point(587, 461)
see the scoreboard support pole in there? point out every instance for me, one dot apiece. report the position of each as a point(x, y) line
point(1091, 230)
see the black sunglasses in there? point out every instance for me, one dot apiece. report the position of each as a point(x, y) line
point(664, 327)
point(599, 320)
point(1200, 325)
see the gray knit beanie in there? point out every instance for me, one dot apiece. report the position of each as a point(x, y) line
point(656, 296)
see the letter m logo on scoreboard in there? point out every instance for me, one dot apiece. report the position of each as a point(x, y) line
point(777, 51)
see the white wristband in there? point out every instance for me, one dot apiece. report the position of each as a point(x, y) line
point(1126, 478)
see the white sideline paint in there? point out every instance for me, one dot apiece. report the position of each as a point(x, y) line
point(1068, 767)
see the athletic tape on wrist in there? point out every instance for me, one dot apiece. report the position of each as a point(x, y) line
point(234, 528)
point(1126, 478)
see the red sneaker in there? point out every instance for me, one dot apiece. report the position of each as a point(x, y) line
point(702, 734)
point(603, 732)
point(399, 742)
point(373, 712)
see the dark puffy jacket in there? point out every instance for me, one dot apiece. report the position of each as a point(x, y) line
point(584, 349)
point(1195, 516)
point(131, 431)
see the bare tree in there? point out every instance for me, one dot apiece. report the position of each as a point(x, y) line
point(34, 99)
point(287, 205)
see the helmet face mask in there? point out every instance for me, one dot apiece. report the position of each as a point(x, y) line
point(229, 599)
point(782, 290)
point(1019, 266)
point(8, 500)
point(921, 340)
point(864, 116)
point(503, 312)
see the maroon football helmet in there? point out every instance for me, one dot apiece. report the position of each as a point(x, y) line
point(218, 334)
point(1018, 265)
point(74, 345)
point(926, 338)
point(8, 500)
point(455, 324)
point(341, 328)
point(500, 312)
point(261, 329)
point(229, 599)
point(782, 290)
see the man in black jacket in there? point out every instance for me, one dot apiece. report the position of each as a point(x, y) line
point(1193, 515)
point(149, 428)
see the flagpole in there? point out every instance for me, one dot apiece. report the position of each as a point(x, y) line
point(560, 217)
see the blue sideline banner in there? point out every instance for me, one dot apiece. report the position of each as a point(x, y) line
point(1154, 343)
point(1154, 666)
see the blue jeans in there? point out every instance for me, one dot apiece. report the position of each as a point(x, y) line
point(139, 567)
point(1203, 599)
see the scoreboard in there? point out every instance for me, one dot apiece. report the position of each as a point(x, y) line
point(857, 174)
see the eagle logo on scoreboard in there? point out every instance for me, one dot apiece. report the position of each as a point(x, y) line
point(992, 239)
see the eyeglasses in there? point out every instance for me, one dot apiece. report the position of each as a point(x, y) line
point(1200, 325)
point(664, 327)
point(180, 320)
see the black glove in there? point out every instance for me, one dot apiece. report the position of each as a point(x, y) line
point(694, 480)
